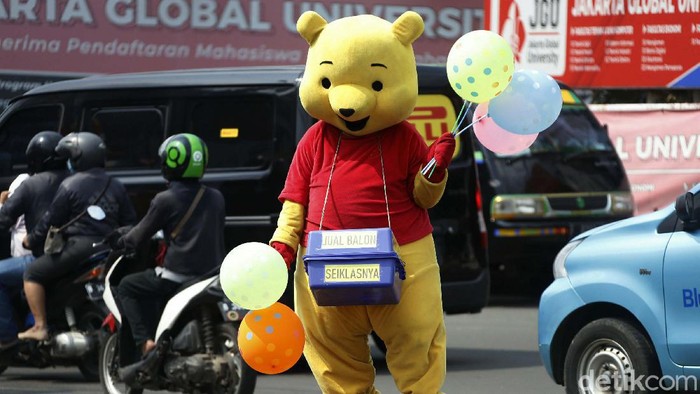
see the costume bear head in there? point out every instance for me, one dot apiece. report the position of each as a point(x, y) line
point(360, 71)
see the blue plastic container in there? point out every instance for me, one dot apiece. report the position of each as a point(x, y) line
point(353, 267)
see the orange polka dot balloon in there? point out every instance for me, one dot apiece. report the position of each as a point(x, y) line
point(271, 340)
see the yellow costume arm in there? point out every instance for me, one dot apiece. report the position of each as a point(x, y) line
point(290, 224)
point(427, 194)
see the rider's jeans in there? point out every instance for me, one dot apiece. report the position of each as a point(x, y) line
point(11, 272)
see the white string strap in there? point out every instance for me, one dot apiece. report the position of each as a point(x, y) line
point(330, 177)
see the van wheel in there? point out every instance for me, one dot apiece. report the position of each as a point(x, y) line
point(607, 355)
point(2, 368)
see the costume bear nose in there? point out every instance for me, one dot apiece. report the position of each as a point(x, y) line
point(347, 112)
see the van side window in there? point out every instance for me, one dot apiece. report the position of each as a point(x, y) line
point(19, 129)
point(238, 131)
point(132, 135)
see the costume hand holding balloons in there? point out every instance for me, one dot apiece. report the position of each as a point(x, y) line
point(441, 151)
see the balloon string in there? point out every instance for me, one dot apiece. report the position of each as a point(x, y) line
point(430, 166)
point(462, 114)
point(471, 124)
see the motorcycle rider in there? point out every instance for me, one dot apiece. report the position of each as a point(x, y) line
point(31, 199)
point(90, 204)
point(193, 250)
point(18, 230)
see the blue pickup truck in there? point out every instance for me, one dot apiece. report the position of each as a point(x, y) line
point(623, 313)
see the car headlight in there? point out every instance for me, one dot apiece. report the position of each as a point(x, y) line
point(510, 207)
point(559, 266)
point(622, 203)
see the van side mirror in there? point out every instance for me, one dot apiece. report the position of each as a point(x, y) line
point(687, 209)
point(605, 129)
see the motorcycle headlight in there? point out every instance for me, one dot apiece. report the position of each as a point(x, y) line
point(511, 207)
point(559, 266)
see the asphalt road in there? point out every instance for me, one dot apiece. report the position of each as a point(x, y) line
point(492, 352)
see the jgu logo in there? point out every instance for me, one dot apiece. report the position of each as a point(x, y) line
point(536, 32)
point(512, 28)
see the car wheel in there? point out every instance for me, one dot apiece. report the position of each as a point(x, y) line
point(609, 355)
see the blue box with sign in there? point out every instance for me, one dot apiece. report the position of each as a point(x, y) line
point(353, 267)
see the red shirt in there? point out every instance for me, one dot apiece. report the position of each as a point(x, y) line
point(356, 195)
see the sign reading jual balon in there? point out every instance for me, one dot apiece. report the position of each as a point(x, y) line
point(604, 43)
point(105, 36)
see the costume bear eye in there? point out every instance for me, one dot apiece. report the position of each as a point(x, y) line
point(326, 83)
point(377, 86)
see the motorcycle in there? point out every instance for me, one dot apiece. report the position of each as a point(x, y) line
point(75, 312)
point(196, 344)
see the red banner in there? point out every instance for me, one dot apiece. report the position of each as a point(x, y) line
point(51, 37)
point(604, 43)
point(659, 146)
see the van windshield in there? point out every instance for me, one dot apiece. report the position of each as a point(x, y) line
point(574, 154)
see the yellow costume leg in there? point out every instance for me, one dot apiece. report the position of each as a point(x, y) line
point(414, 330)
point(337, 345)
point(337, 348)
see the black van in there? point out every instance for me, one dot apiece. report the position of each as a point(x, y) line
point(251, 120)
point(568, 181)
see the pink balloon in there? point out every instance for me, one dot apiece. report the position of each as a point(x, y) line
point(495, 138)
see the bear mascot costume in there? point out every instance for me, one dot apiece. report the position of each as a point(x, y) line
point(359, 167)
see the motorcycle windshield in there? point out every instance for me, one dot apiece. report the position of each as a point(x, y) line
point(573, 155)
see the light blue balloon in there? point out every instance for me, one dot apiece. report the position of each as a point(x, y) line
point(531, 103)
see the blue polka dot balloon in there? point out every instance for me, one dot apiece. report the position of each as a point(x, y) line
point(480, 65)
point(530, 104)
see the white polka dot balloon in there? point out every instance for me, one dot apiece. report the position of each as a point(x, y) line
point(480, 65)
point(531, 103)
point(253, 275)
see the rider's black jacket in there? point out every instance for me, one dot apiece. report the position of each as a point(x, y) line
point(73, 197)
point(32, 199)
point(199, 246)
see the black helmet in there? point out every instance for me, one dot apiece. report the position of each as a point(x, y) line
point(83, 149)
point(41, 152)
point(183, 156)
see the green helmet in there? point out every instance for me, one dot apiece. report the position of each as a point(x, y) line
point(183, 156)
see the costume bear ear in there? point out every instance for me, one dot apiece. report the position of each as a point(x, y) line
point(407, 27)
point(310, 25)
